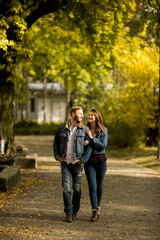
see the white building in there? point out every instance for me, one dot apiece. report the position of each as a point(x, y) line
point(34, 110)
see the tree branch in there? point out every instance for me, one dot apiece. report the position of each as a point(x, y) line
point(45, 8)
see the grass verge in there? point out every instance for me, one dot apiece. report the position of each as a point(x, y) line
point(146, 157)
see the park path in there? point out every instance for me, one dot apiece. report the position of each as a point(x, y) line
point(34, 209)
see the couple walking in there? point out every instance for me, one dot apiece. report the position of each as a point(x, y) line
point(76, 145)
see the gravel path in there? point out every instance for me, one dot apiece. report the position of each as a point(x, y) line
point(130, 206)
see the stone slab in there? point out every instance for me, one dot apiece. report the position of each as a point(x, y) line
point(24, 162)
point(9, 177)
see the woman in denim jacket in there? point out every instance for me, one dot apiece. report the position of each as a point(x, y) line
point(96, 166)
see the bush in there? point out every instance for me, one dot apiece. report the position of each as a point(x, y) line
point(122, 135)
point(33, 128)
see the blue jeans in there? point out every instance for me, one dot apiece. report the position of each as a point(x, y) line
point(71, 177)
point(95, 173)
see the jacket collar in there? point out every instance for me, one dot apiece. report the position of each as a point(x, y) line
point(80, 125)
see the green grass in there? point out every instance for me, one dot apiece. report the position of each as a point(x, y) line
point(146, 157)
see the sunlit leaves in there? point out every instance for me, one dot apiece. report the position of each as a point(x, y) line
point(145, 22)
point(136, 79)
point(5, 198)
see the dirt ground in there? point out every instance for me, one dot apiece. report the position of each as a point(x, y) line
point(130, 206)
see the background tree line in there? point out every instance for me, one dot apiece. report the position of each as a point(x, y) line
point(105, 53)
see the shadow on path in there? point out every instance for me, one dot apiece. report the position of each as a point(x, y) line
point(130, 206)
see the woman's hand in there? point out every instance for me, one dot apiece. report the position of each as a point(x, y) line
point(86, 142)
point(88, 131)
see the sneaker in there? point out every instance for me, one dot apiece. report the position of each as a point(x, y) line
point(74, 216)
point(68, 218)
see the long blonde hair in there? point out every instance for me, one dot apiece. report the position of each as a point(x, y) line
point(99, 122)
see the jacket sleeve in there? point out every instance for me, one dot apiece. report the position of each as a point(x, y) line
point(86, 154)
point(56, 144)
point(101, 144)
point(87, 150)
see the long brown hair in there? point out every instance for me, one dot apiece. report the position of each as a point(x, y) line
point(99, 121)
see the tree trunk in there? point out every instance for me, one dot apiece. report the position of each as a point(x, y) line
point(68, 105)
point(158, 154)
point(158, 36)
point(45, 96)
point(8, 58)
point(1, 114)
point(12, 123)
point(7, 114)
point(51, 106)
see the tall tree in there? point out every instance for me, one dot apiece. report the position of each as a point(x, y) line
point(70, 58)
point(146, 24)
point(136, 81)
point(97, 20)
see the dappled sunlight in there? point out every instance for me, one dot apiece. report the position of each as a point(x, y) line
point(137, 209)
point(129, 169)
point(34, 210)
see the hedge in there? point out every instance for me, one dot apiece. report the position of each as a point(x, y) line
point(34, 128)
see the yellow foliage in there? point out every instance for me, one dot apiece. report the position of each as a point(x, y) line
point(136, 75)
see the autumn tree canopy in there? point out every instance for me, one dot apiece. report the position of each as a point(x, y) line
point(74, 42)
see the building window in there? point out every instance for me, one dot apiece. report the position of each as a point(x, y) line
point(32, 104)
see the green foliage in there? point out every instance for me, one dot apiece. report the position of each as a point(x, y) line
point(145, 23)
point(73, 42)
point(122, 135)
point(133, 96)
point(13, 28)
point(33, 128)
point(74, 47)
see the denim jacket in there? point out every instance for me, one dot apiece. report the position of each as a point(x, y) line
point(61, 138)
point(99, 143)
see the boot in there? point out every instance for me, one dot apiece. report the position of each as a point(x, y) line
point(99, 210)
point(95, 216)
point(68, 218)
point(74, 215)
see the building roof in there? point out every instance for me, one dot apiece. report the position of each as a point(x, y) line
point(38, 88)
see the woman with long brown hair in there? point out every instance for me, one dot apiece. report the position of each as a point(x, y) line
point(96, 166)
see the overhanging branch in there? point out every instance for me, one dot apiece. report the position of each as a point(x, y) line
point(44, 8)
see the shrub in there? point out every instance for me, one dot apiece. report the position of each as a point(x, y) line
point(122, 135)
point(33, 128)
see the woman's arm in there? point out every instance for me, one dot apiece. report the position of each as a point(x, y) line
point(101, 144)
